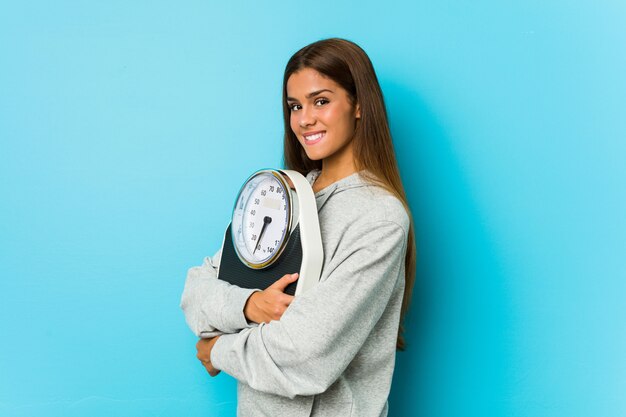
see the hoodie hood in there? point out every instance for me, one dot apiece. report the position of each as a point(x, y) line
point(354, 180)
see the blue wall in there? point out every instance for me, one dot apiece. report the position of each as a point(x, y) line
point(126, 129)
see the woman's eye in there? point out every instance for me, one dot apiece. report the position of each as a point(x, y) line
point(321, 102)
point(293, 107)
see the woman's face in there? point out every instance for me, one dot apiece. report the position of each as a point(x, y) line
point(322, 116)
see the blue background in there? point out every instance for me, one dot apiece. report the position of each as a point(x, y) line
point(126, 129)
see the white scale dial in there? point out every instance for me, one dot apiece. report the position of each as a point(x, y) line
point(262, 219)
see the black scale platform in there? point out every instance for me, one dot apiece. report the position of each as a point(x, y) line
point(236, 272)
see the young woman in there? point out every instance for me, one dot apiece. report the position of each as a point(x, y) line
point(331, 350)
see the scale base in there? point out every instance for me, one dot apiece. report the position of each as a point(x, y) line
point(237, 273)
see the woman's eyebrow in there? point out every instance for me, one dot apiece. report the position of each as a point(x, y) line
point(311, 94)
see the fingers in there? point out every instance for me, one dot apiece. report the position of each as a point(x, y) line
point(271, 303)
point(207, 365)
point(274, 305)
point(200, 348)
point(286, 299)
point(210, 369)
point(281, 305)
point(204, 347)
point(283, 282)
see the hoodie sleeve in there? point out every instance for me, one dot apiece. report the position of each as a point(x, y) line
point(212, 306)
point(323, 329)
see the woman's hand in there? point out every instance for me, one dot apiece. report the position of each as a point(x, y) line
point(205, 346)
point(270, 304)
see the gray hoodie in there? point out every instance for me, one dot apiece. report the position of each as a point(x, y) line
point(332, 353)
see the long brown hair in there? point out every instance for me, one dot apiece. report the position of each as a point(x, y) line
point(349, 66)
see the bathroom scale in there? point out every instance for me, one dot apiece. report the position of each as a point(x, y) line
point(274, 230)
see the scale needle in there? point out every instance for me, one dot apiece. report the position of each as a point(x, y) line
point(266, 220)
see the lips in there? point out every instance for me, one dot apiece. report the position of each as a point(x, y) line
point(314, 137)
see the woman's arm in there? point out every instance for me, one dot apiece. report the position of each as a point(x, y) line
point(323, 329)
point(213, 306)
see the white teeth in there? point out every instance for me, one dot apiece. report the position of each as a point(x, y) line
point(314, 137)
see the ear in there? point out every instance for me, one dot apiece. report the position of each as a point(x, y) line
point(357, 113)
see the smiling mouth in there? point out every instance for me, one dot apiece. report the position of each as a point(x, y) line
point(312, 139)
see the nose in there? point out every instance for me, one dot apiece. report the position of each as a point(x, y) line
point(307, 118)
